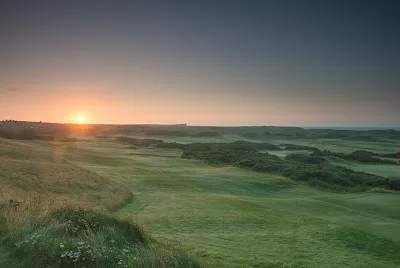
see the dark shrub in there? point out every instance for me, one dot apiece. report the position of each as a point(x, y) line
point(394, 184)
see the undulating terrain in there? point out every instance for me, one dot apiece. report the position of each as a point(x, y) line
point(179, 196)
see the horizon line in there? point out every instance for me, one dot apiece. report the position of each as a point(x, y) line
point(189, 125)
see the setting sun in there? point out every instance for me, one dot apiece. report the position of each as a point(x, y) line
point(80, 119)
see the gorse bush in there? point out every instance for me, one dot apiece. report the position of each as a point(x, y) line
point(394, 184)
point(393, 155)
point(78, 238)
point(316, 174)
point(226, 153)
point(306, 159)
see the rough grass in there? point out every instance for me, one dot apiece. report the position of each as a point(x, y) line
point(78, 238)
point(52, 213)
point(29, 170)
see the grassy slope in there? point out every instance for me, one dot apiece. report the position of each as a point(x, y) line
point(39, 169)
point(235, 218)
point(79, 238)
point(35, 178)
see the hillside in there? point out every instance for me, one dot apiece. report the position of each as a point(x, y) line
point(28, 169)
point(54, 213)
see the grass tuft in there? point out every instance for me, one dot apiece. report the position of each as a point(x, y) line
point(79, 238)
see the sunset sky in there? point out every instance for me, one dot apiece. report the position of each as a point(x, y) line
point(301, 63)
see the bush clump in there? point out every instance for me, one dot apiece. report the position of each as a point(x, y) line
point(306, 159)
point(394, 184)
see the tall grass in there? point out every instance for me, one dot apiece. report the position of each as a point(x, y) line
point(73, 237)
point(16, 212)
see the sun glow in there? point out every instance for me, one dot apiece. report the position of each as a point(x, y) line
point(80, 119)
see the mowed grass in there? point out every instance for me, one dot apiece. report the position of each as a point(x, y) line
point(229, 217)
point(381, 170)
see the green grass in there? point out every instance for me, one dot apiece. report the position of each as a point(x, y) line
point(380, 170)
point(229, 217)
point(78, 238)
point(344, 146)
point(42, 223)
point(37, 169)
point(284, 153)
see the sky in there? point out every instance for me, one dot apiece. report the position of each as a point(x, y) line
point(297, 63)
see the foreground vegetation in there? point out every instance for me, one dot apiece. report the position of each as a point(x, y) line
point(78, 238)
point(54, 214)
